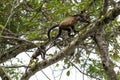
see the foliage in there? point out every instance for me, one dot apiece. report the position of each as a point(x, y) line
point(29, 20)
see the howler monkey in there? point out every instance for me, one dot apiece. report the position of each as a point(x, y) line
point(67, 24)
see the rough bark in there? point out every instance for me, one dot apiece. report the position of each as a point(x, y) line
point(104, 54)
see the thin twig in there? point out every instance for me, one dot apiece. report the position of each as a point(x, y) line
point(45, 75)
point(82, 72)
point(11, 14)
point(14, 66)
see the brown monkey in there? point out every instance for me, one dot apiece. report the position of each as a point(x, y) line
point(67, 24)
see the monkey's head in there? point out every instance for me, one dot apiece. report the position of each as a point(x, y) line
point(82, 18)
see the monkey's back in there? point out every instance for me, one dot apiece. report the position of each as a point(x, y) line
point(67, 22)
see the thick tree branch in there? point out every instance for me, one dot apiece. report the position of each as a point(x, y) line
point(3, 75)
point(106, 62)
point(68, 50)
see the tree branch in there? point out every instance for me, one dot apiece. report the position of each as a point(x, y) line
point(14, 66)
point(113, 33)
point(106, 62)
point(6, 32)
point(112, 2)
point(3, 75)
point(83, 72)
point(104, 7)
point(69, 49)
point(15, 39)
point(15, 50)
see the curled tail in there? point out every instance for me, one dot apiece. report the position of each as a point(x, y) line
point(49, 30)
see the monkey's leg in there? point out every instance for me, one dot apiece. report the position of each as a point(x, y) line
point(59, 33)
point(73, 28)
point(69, 32)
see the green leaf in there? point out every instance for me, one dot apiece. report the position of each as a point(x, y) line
point(57, 65)
point(32, 35)
point(68, 73)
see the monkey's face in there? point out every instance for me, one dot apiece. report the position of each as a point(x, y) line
point(83, 18)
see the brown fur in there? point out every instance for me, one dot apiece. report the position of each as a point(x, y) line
point(68, 24)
